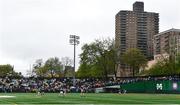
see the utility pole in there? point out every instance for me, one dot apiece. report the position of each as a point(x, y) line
point(74, 40)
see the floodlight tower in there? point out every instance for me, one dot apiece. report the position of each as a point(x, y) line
point(74, 40)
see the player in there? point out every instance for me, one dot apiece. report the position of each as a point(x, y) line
point(62, 92)
point(40, 91)
point(82, 89)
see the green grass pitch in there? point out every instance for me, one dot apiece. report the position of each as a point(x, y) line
point(90, 98)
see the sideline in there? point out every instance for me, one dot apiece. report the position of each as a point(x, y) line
point(7, 96)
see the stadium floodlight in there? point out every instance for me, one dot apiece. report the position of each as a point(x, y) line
point(74, 40)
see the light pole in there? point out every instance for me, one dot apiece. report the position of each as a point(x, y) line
point(74, 40)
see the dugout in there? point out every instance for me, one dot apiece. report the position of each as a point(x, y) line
point(112, 89)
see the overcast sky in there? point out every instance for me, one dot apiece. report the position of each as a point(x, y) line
point(33, 29)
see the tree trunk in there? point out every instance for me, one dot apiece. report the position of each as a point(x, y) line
point(52, 74)
point(133, 71)
point(115, 68)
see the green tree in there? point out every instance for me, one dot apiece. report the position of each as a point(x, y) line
point(88, 61)
point(54, 67)
point(166, 66)
point(98, 59)
point(39, 69)
point(6, 70)
point(178, 63)
point(135, 59)
point(68, 69)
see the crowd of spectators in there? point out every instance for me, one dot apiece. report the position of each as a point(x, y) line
point(31, 84)
point(9, 84)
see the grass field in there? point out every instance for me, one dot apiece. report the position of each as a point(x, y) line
point(91, 98)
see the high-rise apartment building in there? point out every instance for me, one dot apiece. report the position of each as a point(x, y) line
point(167, 42)
point(135, 29)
